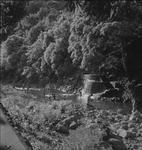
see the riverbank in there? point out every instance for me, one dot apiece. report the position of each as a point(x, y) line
point(65, 125)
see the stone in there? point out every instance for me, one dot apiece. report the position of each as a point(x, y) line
point(120, 111)
point(117, 144)
point(73, 125)
point(122, 133)
point(128, 134)
point(67, 121)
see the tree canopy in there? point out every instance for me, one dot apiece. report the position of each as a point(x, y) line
point(62, 38)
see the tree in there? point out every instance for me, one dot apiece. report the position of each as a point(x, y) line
point(11, 12)
point(13, 56)
point(35, 51)
point(11, 50)
point(34, 6)
point(34, 32)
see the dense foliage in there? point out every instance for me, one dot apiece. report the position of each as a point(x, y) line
point(54, 42)
point(58, 39)
point(11, 12)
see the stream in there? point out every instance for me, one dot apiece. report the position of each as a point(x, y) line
point(8, 136)
point(102, 105)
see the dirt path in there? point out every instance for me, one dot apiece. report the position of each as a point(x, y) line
point(8, 136)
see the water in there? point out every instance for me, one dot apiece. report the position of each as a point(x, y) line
point(94, 85)
point(8, 137)
point(105, 105)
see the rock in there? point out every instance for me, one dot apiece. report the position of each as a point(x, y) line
point(73, 125)
point(62, 129)
point(67, 121)
point(114, 140)
point(122, 133)
point(66, 124)
point(111, 93)
point(54, 123)
point(117, 144)
point(126, 134)
point(120, 111)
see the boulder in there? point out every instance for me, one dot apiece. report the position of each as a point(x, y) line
point(117, 144)
point(114, 140)
point(67, 121)
point(66, 124)
point(127, 134)
point(121, 111)
point(73, 125)
point(122, 133)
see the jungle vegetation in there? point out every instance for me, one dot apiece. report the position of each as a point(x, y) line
point(46, 41)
